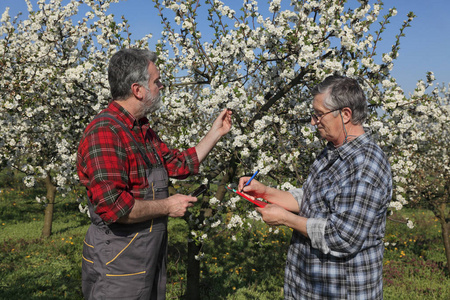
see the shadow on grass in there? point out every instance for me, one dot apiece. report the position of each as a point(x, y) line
point(254, 262)
point(68, 217)
point(177, 258)
point(415, 276)
point(20, 206)
point(250, 262)
point(38, 285)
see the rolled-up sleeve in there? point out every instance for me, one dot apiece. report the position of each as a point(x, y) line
point(179, 164)
point(314, 227)
point(316, 233)
point(298, 195)
point(348, 228)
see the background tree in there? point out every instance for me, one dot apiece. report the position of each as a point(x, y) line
point(429, 185)
point(54, 80)
point(262, 64)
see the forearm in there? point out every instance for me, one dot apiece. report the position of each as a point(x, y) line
point(295, 222)
point(314, 229)
point(174, 206)
point(281, 198)
point(179, 164)
point(206, 144)
point(275, 215)
point(220, 127)
point(144, 210)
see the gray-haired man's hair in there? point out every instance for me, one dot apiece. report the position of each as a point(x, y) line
point(343, 92)
point(126, 67)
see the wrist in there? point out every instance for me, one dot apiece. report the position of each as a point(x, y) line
point(214, 135)
point(266, 192)
point(167, 206)
point(285, 218)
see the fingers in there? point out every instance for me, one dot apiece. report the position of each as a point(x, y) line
point(271, 214)
point(242, 182)
point(228, 114)
point(178, 205)
point(225, 113)
point(265, 217)
point(224, 116)
point(255, 188)
point(224, 120)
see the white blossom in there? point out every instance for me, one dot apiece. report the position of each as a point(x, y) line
point(235, 221)
point(410, 224)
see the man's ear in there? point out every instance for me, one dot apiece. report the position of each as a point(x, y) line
point(138, 91)
point(346, 114)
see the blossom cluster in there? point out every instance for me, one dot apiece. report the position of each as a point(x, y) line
point(261, 64)
point(53, 82)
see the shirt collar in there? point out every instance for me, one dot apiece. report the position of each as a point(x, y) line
point(123, 115)
point(348, 148)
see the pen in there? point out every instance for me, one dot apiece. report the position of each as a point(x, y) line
point(251, 178)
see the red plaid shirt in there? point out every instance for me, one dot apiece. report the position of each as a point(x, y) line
point(113, 172)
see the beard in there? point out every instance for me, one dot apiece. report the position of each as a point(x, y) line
point(150, 104)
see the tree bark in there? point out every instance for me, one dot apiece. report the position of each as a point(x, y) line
point(193, 265)
point(229, 175)
point(48, 217)
point(193, 272)
point(446, 239)
point(445, 231)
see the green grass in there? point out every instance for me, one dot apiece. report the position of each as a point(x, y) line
point(414, 260)
point(36, 268)
point(250, 267)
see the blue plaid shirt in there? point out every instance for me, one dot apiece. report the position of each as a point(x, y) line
point(345, 199)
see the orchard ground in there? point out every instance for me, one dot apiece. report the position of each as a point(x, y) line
point(245, 265)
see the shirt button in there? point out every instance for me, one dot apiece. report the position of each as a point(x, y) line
point(107, 231)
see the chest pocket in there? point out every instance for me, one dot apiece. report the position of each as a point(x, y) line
point(158, 181)
point(321, 195)
point(323, 199)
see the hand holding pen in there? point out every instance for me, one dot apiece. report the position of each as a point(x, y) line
point(248, 182)
point(255, 190)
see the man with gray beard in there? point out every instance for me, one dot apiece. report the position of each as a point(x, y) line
point(125, 168)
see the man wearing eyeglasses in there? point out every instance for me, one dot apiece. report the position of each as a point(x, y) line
point(339, 215)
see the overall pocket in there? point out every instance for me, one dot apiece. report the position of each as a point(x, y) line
point(158, 182)
point(132, 263)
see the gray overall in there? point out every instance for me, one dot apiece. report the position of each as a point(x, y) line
point(128, 261)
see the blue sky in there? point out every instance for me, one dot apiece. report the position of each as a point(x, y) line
point(426, 46)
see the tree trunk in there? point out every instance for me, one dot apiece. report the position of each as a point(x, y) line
point(193, 272)
point(445, 232)
point(193, 265)
point(229, 175)
point(48, 218)
point(445, 237)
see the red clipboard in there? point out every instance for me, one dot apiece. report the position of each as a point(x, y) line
point(256, 202)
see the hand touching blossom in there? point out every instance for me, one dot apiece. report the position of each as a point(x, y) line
point(223, 122)
point(220, 127)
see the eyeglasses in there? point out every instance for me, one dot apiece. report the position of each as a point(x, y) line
point(318, 117)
